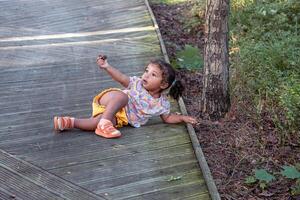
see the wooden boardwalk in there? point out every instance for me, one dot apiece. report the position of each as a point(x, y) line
point(48, 51)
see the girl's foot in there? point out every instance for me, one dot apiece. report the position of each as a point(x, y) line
point(105, 128)
point(63, 123)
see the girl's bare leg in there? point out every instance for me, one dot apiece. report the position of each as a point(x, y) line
point(89, 124)
point(113, 101)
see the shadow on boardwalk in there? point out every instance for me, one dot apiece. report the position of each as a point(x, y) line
point(47, 62)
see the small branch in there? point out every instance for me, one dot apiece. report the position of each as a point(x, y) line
point(234, 169)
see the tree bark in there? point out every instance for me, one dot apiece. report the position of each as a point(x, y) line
point(215, 96)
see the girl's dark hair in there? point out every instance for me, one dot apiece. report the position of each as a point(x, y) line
point(169, 76)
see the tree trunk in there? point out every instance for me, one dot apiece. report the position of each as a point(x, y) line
point(215, 96)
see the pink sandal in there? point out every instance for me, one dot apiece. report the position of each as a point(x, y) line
point(63, 123)
point(105, 128)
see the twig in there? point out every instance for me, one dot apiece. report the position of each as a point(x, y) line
point(233, 171)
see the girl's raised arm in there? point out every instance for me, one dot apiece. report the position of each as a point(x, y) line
point(118, 76)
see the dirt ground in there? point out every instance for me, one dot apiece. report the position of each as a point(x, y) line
point(237, 144)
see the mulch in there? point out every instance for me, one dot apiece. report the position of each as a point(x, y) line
point(237, 144)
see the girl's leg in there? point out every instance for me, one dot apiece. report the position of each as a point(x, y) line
point(113, 102)
point(89, 124)
point(86, 124)
point(102, 124)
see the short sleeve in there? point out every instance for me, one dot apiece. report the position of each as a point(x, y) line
point(166, 107)
point(132, 81)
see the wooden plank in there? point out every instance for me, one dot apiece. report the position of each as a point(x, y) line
point(197, 196)
point(176, 193)
point(84, 37)
point(19, 187)
point(40, 123)
point(61, 16)
point(21, 177)
point(42, 135)
point(133, 177)
point(4, 194)
point(157, 184)
point(67, 140)
point(50, 55)
point(92, 154)
point(134, 164)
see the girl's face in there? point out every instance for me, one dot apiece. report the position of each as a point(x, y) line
point(152, 79)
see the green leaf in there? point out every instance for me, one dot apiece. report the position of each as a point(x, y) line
point(263, 175)
point(262, 185)
point(290, 172)
point(174, 178)
point(250, 180)
point(189, 58)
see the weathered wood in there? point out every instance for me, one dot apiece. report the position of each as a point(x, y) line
point(95, 154)
point(27, 181)
point(47, 68)
point(173, 193)
point(105, 176)
point(55, 142)
point(158, 184)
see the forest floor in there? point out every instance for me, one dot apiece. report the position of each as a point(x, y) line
point(237, 144)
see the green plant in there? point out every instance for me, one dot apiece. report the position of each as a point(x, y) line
point(266, 67)
point(291, 172)
point(263, 178)
point(188, 58)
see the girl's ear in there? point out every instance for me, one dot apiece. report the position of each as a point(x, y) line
point(164, 85)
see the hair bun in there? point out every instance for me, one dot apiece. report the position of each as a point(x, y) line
point(176, 89)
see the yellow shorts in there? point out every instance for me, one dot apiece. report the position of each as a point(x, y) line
point(99, 109)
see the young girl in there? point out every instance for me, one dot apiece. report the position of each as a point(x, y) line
point(142, 98)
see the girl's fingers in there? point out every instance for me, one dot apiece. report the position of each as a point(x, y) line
point(102, 57)
point(193, 120)
point(101, 60)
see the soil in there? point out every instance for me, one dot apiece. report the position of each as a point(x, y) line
point(237, 144)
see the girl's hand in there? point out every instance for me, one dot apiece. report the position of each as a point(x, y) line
point(188, 119)
point(174, 118)
point(102, 62)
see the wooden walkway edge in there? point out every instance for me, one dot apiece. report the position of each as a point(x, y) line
point(213, 191)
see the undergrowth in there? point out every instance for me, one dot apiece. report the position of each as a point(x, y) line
point(265, 60)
